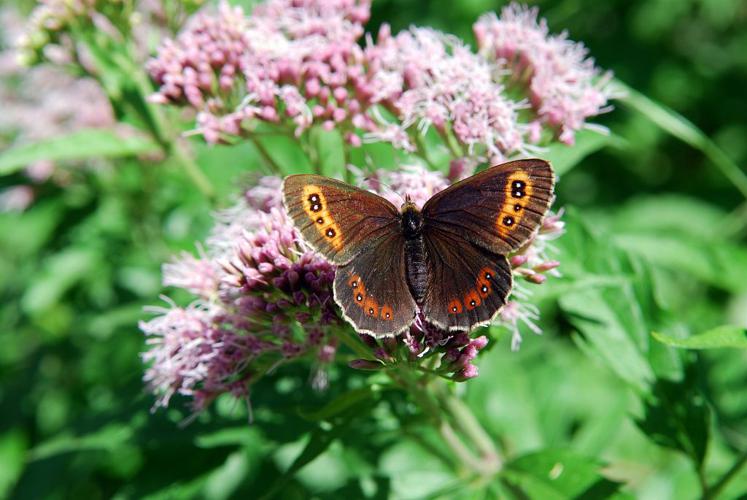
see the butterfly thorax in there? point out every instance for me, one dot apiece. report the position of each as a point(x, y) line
point(412, 221)
point(415, 265)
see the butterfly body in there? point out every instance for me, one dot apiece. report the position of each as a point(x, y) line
point(415, 258)
point(447, 261)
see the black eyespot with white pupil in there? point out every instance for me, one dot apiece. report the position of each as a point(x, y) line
point(354, 284)
point(517, 189)
point(370, 310)
point(517, 208)
point(331, 233)
point(320, 220)
point(316, 207)
point(484, 289)
point(314, 198)
point(359, 297)
point(488, 276)
point(454, 308)
point(508, 221)
point(472, 303)
point(387, 315)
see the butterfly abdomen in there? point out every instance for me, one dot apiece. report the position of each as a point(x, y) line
point(415, 267)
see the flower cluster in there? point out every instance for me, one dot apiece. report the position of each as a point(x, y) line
point(292, 63)
point(262, 298)
point(451, 89)
point(563, 84)
point(295, 63)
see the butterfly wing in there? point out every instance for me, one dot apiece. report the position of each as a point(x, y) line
point(499, 209)
point(372, 289)
point(361, 233)
point(338, 220)
point(467, 284)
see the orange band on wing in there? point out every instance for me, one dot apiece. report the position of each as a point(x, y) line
point(517, 192)
point(315, 206)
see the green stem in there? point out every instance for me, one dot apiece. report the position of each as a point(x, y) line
point(185, 160)
point(684, 130)
point(445, 411)
point(265, 154)
point(468, 424)
point(715, 490)
point(448, 138)
point(422, 150)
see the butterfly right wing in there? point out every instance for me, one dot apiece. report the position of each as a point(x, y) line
point(372, 289)
point(467, 285)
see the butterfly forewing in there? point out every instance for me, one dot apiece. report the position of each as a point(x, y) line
point(500, 209)
point(467, 285)
point(336, 219)
point(372, 289)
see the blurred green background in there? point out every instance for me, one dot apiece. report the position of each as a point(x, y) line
point(655, 242)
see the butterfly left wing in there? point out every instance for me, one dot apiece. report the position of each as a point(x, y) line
point(372, 289)
point(466, 285)
point(338, 220)
point(498, 209)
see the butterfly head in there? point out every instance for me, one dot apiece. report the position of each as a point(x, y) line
point(412, 220)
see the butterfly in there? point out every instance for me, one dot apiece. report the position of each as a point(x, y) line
point(447, 260)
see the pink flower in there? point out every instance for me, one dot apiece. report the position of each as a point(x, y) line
point(262, 298)
point(431, 79)
point(565, 87)
point(291, 63)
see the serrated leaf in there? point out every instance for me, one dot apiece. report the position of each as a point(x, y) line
point(79, 145)
point(558, 473)
point(677, 417)
point(719, 337)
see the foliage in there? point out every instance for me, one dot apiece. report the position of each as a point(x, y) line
point(635, 388)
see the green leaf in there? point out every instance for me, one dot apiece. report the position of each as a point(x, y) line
point(719, 337)
point(677, 417)
point(350, 399)
point(12, 456)
point(106, 438)
point(564, 157)
point(79, 145)
point(683, 129)
point(558, 473)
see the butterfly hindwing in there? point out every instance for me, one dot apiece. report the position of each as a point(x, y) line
point(338, 220)
point(466, 286)
point(499, 209)
point(372, 289)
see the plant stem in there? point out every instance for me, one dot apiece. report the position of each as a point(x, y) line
point(444, 410)
point(467, 422)
point(189, 165)
point(265, 154)
point(715, 490)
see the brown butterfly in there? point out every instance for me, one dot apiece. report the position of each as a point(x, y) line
point(448, 260)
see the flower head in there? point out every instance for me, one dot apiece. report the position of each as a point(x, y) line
point(565, 88)
point(452, 89)
point(262, 298)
